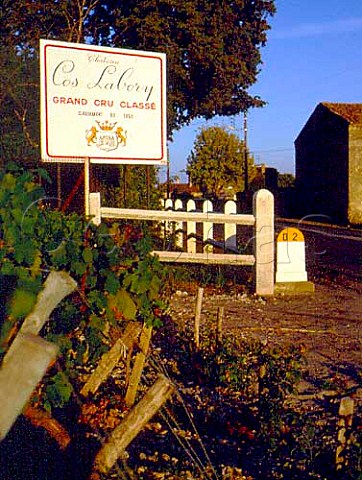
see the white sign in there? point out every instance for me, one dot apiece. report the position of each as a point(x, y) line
point(102, 103)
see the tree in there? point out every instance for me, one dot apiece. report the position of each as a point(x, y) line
point(137, 188)
point(212, 46)
point(22, 24)
point(217, 162)
point(286, 180)
point(19, 108)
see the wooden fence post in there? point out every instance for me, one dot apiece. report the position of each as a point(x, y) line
point(26, 363)
point(167, 226)
point(56, 287)
point(230, 229)
point(133, 423)
point(263, 207)
point(208, 228)
point(179, 226)
point(29, 356)
point(191, 228)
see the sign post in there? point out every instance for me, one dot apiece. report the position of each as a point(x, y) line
point(86, 185)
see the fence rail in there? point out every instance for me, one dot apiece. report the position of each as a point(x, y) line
point(176, 216)
point(262, 221)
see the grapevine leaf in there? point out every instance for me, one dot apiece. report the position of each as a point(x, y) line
point(140, 285)
point(59, 390)
point(12, 234)
point(154, 288)
point(35, 268)
point(63, 342)
point(112, 283)
point(58, 255)
point(87, 255)
point(123, 303)
point(44, 174)
point(96, 299)
point(7, 268)
point(25, 252)
point(79, 268)
point(9, 181)
point(21, 303)
point(96, 322)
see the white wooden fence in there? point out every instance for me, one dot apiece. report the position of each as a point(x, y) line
point(262, 221)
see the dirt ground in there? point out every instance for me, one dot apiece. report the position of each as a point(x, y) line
point(327, 325)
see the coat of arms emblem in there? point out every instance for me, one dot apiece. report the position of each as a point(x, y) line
point(106, 136)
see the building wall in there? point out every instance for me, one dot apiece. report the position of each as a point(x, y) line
point(322, 167)
point(355, 175)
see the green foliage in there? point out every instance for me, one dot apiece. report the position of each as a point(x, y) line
point(137, 188)
point(213, 48)
point(261, 375)
point(58, 391)
point(216, 162)
point(22, 303)
point(252, 366)
point(286, 180)
point(19, 107)
point(117, 278)
point(121, 304)
point(240, 394)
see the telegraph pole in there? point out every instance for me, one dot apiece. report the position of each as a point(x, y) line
point(168, 173)
point(246, 172)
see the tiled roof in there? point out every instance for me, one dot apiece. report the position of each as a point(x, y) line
point(184, 188)
point(352, 112)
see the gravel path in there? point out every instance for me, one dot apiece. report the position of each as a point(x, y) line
point(327, 325)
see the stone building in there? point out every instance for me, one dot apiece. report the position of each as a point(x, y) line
point(329, 163)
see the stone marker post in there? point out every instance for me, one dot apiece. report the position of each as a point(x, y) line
point(291, 274)
point(291, 256)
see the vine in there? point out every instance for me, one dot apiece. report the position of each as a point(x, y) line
point(118, 279)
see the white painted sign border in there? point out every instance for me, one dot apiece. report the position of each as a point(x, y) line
point(102, 103)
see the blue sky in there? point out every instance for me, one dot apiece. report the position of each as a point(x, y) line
point(313, 54)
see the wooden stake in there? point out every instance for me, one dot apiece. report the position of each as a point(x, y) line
point(344, 423)
point(200, 294)
point(133, 423)
point(26, 363)
point(56, 287)
point(220, 319)
point(111, 358)
point(137, 369)
point(29, 356)
point(41, 418)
